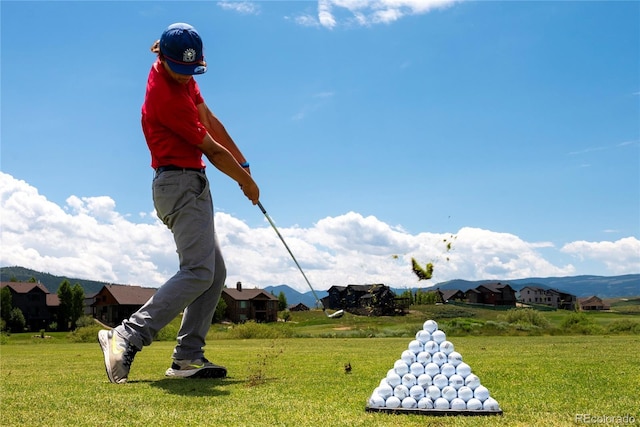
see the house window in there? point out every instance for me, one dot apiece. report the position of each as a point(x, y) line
point(243, 304)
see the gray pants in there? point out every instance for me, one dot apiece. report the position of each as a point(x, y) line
point(183, 202)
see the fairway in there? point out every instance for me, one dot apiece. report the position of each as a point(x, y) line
point(302, 382)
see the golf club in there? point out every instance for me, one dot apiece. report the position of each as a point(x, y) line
point(335, 315)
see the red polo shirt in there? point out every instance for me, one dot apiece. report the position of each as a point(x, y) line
point(170, 120)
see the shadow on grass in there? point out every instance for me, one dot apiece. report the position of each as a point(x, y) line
point(196, 386)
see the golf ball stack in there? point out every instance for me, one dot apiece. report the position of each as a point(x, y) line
point(430, 375)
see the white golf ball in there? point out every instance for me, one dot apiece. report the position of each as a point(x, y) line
point(490, 405)
point(416, 347)
point(474, 404)
point(432, 369)
point(376, 401)
point(423, 336)
point(458, 404)
point(393, 379)
point(431, 347)
point(392, 402)
point(408, 357)
point(430, 326)
point(400, 367)
point(440, 381)
point(463, 370)
point(446, 347)
point(433, 392)
point(401, 391)
point(454, 358)
point(385, 390)
point(457, 382)
point(416, 369)
point(409, 380)
point(423, 357)
point(424, 380)
point(449, 393)
point(425, 403)
point(447, 369)
point(439, 358)
point(465, 393)
point(438, 336)
point(481, 393)
point(409, 403)
point(472, 381)
point(417, 392)
point(441, 403)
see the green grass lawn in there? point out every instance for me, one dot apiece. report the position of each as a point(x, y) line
point(538, 380)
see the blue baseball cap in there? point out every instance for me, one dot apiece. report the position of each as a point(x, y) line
point(181, 46)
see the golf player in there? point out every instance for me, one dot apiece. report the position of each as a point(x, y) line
point(179, 128)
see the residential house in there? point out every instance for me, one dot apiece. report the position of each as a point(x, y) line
point(551, 297)
point(114, 303)
point(299, 307)
point(452, 295)
point(38, 306)
point(592, 303)
point(492, 294)
point(370, 300)
point(250, 304)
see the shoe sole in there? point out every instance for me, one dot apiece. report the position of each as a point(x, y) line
point(103, 339)
point(210, 373)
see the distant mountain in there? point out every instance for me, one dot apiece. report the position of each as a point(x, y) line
point(581, 286)
point(51, 282)
point(294, 297)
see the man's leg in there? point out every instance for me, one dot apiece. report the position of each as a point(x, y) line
point(183, 202)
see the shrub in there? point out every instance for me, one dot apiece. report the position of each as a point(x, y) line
point(524, 317)
point(580, 323)
point(624, 326)
point(252, 329)
point(85, 334)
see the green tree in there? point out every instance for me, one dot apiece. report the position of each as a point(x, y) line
point(77, 304)
point(5, 304)
point(221, 311)
point(16, 321)
point(65, 295)
point(282, 301)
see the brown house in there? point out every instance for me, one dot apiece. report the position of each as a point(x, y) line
point(492, 294)
point(299, 307)
point(592, 303)
point(250, 304)
point(452, 295)
point(114, 303)
point(38, 306)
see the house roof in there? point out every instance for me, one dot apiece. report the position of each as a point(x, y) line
point(129, 294)
point(247, 294)
point(494, 287)
point(24, 287)
point(591, 299)
point(447, 294)
point(52, 300)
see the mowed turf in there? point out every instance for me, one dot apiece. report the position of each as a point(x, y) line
point(548, 380)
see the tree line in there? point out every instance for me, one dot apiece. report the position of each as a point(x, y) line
point(65, 317)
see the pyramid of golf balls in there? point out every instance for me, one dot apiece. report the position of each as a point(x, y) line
point(431, 375)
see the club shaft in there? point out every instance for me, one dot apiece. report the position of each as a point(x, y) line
point(290, 253)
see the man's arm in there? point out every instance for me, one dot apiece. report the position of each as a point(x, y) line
point(218, 132)
point(224, 161)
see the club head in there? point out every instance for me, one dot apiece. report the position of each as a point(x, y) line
point(336, 315)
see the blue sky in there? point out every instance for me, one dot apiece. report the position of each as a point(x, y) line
point(375, 130)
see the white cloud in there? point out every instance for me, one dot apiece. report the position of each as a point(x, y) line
point(243, 7)
point(87, 238)
point(619, 257)
point(332, 13)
